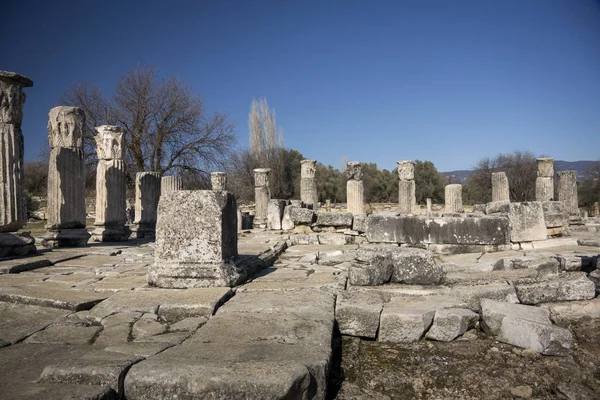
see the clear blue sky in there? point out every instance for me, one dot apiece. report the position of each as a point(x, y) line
point(373, 81)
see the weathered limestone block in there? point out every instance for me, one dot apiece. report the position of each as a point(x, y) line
point(286, 221)
point(325, 218)
point(218, 180)
point(493, 312)
point(300, 216)
point(66, 179)
point(472, 295)
point(500, 188)
point(262, 195)
point(147, 195)
point(12, 100)
point(526, 220)
point(547, 339)
point(545, 167)
point(275, 213)
point(170, 183)
point(359, 223)
point(357, 313)
point(415, 267)
point(567, 287)
point(406, 319)
point(308, 183)
point(493, 230)
point(196, 241)
point(110, 186)
point(453, 199)
point(448, 324)
point(355, 189)
point(544, 188)
point(567, 191)
point(371, 267)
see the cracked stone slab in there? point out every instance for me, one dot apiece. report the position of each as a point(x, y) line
point(65, 334)
point(171, 304)
point(97, 367)
point(51, 295)
point(142, 349)
point(494, 312)
point(18, 265)
point(20, 321)
point(547, 339)
point(53, 391)
point(448, 324)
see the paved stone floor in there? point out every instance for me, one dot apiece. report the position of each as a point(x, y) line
point(83, 323)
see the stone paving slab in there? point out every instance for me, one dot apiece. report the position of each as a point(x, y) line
point(172, 304)
point(19, 321)
point(234, 356)
point(58, 391)
point(51, 295)
point(17, 265)
point(65, 334)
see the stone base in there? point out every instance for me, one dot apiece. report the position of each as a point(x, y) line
point(66, 238)
point(192, 275)
point(16, 244)
point(110, 234)
point(144, 231)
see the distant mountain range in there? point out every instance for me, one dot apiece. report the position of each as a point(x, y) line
point(582, 168)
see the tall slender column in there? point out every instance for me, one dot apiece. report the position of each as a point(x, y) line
point(262, 195)
point(453, 199)
point(12, 207)
point(500, 188)
point(169, 184)
point(406, 187)
point(110, 186)
point(147, 194)
point(218, 180)
point(355, 189)
point(308, 184)
point(567, 190)
point(544, 184)
point(66, 179)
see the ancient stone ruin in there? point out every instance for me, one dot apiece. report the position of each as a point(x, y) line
point(406, 187)
point(110, 186)
point(12, 207)
point(262, 195)
point(218, 180)
point(147, 195)
point(354, 188)
point(66, 179)
point(308, 184)
point(170, 183)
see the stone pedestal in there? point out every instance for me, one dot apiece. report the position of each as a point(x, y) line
point(12, 206)
point(500, 188)
point(453, 199)
point(169, 184)
point(262, 195)
point(567, 191)
point(406, 187)
point(196, 240)
point(308, 184)
point(218, 180)
point(110, 186)
point(147, 195)
point(66, 179)
point(544, 184)
point(355, 189)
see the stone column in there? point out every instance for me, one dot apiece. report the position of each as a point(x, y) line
point(500, 189)
point(110, 186)
point(196, 241)
point(169, 184)
point(308, 184)
point(453, 199)
point(428, 200)
point(218, 180)
point(544, 184)
point(12, 206)
point(596, 209)
point(262, 195)
point(66, 179)
point(567, 191)
point(354, 189)
point(147, 194)
point(406, 187)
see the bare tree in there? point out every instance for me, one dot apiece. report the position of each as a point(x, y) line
point(166, 127)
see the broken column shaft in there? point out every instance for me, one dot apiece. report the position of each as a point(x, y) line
point(544, 184)
point(406, 187)
point(355, 189)
point(147, 195)
point(500, 188)
point(308, 184)
point(262, 195)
